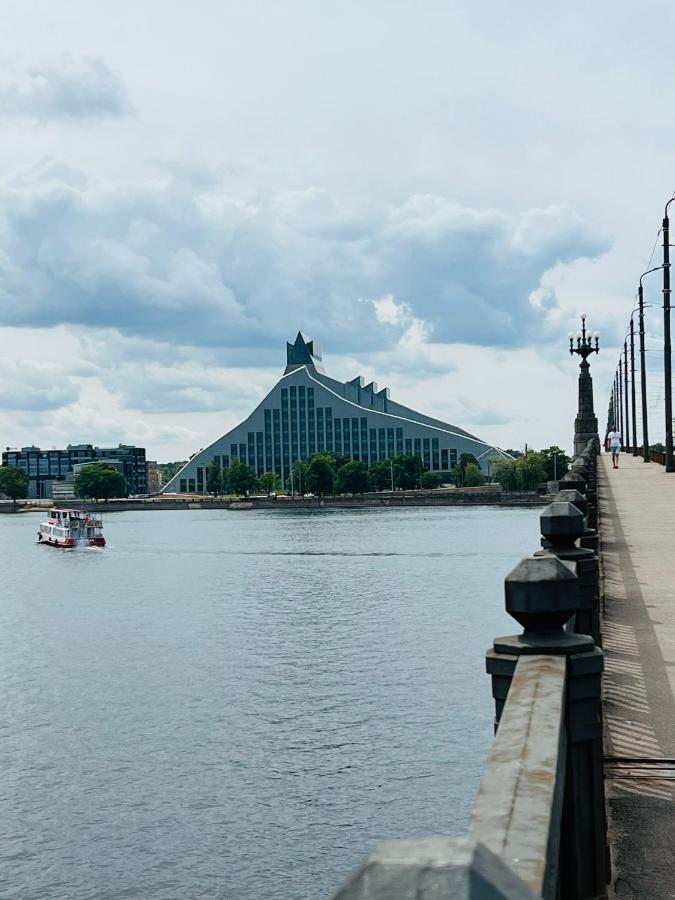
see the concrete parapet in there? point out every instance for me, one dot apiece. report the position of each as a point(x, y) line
point(433, 868)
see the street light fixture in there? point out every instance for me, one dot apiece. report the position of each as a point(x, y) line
point(586, 424)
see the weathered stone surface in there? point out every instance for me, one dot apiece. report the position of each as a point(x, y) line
point(518, 810)
point(541, 593)
point(433, 868)
point(562, 522)
point(573, 480)
point(571, 495)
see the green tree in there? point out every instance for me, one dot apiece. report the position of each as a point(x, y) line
point(100, 481)
point(556, 463)
point(241, 478)
point(531, 471)
point(473, 476)
point(523, 474)
point(14, 483)
point(431, 480)
point(658, 447)
point(320, 474)
point(269, 481)
point(299, 473)
point(514, 453)
point(214, 478)
point(353, 478)
point(168, 470)
point(380, 475)
point(505, 473)
point(337, 460)
point(407, 471)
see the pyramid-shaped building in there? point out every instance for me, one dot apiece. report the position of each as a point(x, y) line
point(308, 412)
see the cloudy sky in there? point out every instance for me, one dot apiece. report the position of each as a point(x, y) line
point(432, 190)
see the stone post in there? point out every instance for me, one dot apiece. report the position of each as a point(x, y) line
point(589, 539)
point(586, 423)
point(562, 525)
point(542, 594)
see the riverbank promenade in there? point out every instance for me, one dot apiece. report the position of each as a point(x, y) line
point(637, 526)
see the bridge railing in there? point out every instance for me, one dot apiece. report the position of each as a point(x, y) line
point(656, 456)
point(538, 827)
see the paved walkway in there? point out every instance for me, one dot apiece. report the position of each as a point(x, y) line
point(637, 505)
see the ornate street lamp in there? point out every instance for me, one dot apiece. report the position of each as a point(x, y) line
point(586, 423)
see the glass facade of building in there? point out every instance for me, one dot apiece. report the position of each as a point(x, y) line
point(308, 412)
point(46, 466)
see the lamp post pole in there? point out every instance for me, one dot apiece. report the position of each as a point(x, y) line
point(667, 373)
point(620, 380)
point(611, 412)
point(625, 394)
point(643, 365)
point(632, 384)
point(586, 423)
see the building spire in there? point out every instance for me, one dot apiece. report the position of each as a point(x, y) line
point(304, 352)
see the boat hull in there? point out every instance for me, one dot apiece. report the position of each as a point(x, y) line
point(70, 543)
point(61, 544)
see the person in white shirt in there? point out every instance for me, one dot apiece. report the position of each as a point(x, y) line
point(614, 442)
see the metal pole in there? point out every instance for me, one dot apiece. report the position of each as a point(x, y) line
point(632, 384)
point(612, 409)
point(667, 374)
point(626, 437)
point(643, 374)
point(621, 403)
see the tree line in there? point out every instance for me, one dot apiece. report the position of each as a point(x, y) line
point(331, 473)
point(325, 473)
point(528, 470)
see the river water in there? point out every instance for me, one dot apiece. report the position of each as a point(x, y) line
point(240, 704)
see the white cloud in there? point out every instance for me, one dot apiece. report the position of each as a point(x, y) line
point(68, 89)
point(35, 386)
point(216, 270)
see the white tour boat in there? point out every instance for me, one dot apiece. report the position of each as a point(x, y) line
point(67, 528)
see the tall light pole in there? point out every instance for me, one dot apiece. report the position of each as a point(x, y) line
point(667, 374)
point(632, 384)
point(620, 379)
point(643, 365)
point(585, 424)
point(626, 436)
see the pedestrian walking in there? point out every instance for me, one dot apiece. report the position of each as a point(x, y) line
point(614, 444)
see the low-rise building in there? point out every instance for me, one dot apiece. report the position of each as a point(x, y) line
point(154, 477)
point(48, 469)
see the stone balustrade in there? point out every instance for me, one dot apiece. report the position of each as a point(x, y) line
point(538, 827)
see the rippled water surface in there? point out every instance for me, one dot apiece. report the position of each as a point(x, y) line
point(238, 705)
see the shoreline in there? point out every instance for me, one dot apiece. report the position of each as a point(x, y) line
point(455, 497)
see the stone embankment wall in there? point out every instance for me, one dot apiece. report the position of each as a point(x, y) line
point(486, 496)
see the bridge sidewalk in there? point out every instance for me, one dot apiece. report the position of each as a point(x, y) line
point(637, 508)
